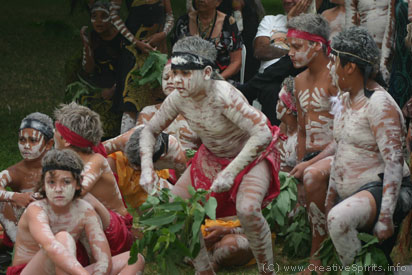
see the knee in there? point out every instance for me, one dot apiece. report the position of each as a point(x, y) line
point(67, 240)
point(313, 180)
point(246, 210)
point(336, 224)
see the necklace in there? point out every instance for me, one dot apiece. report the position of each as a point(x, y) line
point(203, 32)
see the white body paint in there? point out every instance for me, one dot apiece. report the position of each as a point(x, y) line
point(287, 150)
point(60, 196)
point(317, 218)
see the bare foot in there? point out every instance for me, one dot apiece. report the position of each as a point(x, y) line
point(136, 268)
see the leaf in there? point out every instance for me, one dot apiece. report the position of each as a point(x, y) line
point(368, 259)
point(198, 220)
point(173, 206)
point(150, 60)
point(176, 227)
point(133, 253)
point(210, 208)
point(279, 218)
point(159, 220)
point(191, 190)
point(153, 200)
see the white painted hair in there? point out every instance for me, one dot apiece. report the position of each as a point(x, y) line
point(80, 120)
point(196, 45)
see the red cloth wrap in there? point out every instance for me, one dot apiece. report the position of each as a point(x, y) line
point(309, 36)
point(15, 270)
point(287, 99)
point(118, 233)
point(79, 141)
point(81, 254)
point(206, 166)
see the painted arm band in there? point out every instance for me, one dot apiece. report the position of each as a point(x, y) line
point(119, 24)
point(169, 23)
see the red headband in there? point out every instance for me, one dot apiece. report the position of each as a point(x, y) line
point(79, 141)
point(287, 99)
point(309, 36)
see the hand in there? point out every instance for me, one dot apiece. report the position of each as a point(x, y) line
point(298, 170)
point(155, 39)
point(84, 36)
point(148, 180)
point(383, 229)
point(223, 182)
point(107, 93)
point(144, 47)
point(215, 234)
point(300, 7)
point(23, 199)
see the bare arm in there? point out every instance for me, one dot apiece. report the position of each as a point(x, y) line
point(387, 41)
point(118, 143)
point(235, 64)
point(21, 199)
point(301, 136)
point(87, 58)
point(162, 118)
point(98, 243)
point(265, 50)
point(386, 125)
point(175, 158)
point(39, 228)
point(92, 172)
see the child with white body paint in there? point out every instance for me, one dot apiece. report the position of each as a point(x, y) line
point(369, 177)
point(49, 228)
point(78, 128)
point(238, 160)
point(35, 139)
point(378, 17)
point(308, 36)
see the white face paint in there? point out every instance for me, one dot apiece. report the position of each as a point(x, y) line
point(60, 187)
point(167, 80)
point(189, 82)
point(31, 143)
point(301, 52)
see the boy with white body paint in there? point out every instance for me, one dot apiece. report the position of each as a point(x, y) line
point(378, 17)
point(308, 36)
point(49, 228)
point(369, 177)
point(35, 139)
point(235, 136)
point(78, 128)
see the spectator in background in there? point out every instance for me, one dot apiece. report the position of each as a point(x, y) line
point(220, 29)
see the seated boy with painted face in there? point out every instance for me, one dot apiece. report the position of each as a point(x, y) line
point(35, 139)
point(49, 228)
point(169, 154)
point(79, 128)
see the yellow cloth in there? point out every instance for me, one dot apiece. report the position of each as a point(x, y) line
point(128, 180)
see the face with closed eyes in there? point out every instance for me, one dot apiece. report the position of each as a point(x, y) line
point(31, 143)
point(188, 82)
point(60, 187)
point(301, 51)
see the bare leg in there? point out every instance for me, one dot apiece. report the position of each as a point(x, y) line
point(201, 262)
point(344, 220)
point(249, 199)
point(231, 250)
point(315, 180)
point(41, 263)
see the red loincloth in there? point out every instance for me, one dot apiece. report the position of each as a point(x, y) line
point(118, 233)
point(6, 240)
point(15, 270)
point(205, 167)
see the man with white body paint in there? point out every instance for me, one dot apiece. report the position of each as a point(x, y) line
point(235, 136)
point(378, 17)
point(78, 128)
point(49, 228)
point(309, 46)
point(35, 139)
point(369, 177)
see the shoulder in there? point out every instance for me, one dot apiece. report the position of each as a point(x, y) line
point(36, 208)
point(382, 101)
point(227, 93)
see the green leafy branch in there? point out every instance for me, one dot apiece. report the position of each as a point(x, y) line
point(151, 71)
point(171, 228)
point(369, 256)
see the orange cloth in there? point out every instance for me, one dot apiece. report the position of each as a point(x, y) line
point(128, 180)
